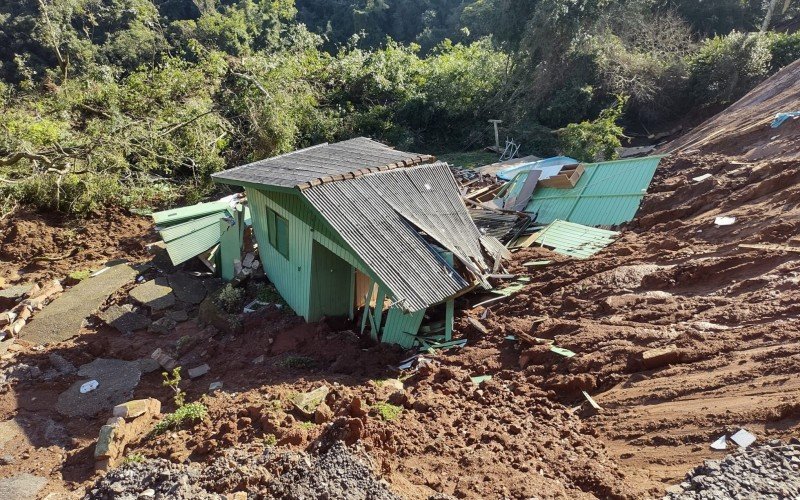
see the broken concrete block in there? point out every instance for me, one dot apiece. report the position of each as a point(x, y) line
point(166, 361)
point(308, 402)
point(656, 358)
point(248, 260)
point(199, 371)
point(178, 316)
point(137, 407)
point(163, 325)
point(214, 386)
point(124, 319)
point(61, 365)
point(155, 294)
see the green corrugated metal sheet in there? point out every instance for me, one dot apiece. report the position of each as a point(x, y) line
point(195, 243)
point(177, 215)
point(608, 193)
point(186, 228)
point(229, 249)
point(576, 240)
point(401, 328)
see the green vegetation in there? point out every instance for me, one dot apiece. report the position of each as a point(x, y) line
point(468, 160)
point(297, 362)
point(388, 411)
point(133, 458)
point(270, 440)
point(185, 414)
point(230, 299)
point(172, 381)
point(307, 425)
point(80, 275)
point(137, 102)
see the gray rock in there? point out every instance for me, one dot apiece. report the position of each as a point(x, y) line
point(186, 288)
point(178, 316)
point(162, 326)
point(19, 372)
point(155, 294)
point(124, 318)
point(61, 365)
point(199, 371)
point(117, 379)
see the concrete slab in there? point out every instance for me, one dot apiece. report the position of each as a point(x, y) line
point(9, 430)
point(116, 381)
point(11, 295)
point(186, 288)
point(155, 294)
point(64, 317)
point(124, 319)
point(22, 486)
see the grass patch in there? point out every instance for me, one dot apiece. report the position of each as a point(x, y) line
point(80, 275)
point(188, 413)
point(388, 411)
point(133, 458)
point(307, 425)
point(270, 440)
point(296, 362)
point(468, 159)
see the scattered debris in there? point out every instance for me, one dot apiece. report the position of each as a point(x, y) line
point(724, 221)
point(782, 117)
point(701, 178)
point(479, 379)
point(720, 444)
point(743, 438)
point(656, 358)
point(89, 386)
point(575, 240)
point(155, 294)
point(537, 263)
point(215, 386)
point(166, 361)
point(118, 432)
point(199, 371)
point(591, 401)
point(477, 325)
point(308, 402)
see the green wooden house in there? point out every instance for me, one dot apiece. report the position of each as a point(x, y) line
point(359, 226)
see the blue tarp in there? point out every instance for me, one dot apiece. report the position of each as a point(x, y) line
point(548, 166)
point(782, 117)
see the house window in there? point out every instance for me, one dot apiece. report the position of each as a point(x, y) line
point(278, 229)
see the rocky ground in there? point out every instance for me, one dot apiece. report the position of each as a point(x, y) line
point(338, 473)
point(771, 471)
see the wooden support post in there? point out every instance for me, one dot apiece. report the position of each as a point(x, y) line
point(378, 313)
point(367, 300)
point(448, 319)
point(352, 309)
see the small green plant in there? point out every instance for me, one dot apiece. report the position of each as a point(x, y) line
point(172, 381)
point(230, 299)
point(270, 440)
point(269, 294)
point(388, 411)
point(296, 362)
point(188, 413)
point(595, 140)
point(133, 458)
point(307, 425)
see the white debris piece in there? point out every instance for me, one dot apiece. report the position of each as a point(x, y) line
point(720, 444)
point(724, 221)
point(743, 438)
point(89, 386)
point(701, 178)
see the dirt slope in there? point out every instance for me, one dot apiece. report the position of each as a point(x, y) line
point(744, 129)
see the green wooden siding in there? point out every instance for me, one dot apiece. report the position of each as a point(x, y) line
point(316, 283)
point(330, 284)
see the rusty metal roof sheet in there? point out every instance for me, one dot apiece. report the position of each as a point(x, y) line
point(380, 217)
point(322, 163)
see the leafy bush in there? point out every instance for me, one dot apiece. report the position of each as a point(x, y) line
point(785, 49)
point(297, 362)
point(230, 299)
point(727, 67)
point(186, 414)
point(595, 140)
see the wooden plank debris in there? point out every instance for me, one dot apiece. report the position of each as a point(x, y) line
point(770, 247)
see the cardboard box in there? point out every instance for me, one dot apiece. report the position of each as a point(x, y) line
point(566, 179)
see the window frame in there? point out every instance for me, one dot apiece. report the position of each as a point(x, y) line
point(278, 232)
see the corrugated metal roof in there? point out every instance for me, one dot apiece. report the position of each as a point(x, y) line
point(572, 239)
point(322, 163)
point(374, 215)
point(608, 193)
point(194, 243)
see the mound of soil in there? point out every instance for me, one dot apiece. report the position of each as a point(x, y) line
point(36, 246)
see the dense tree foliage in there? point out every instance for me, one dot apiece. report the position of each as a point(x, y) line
point(138, 101)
